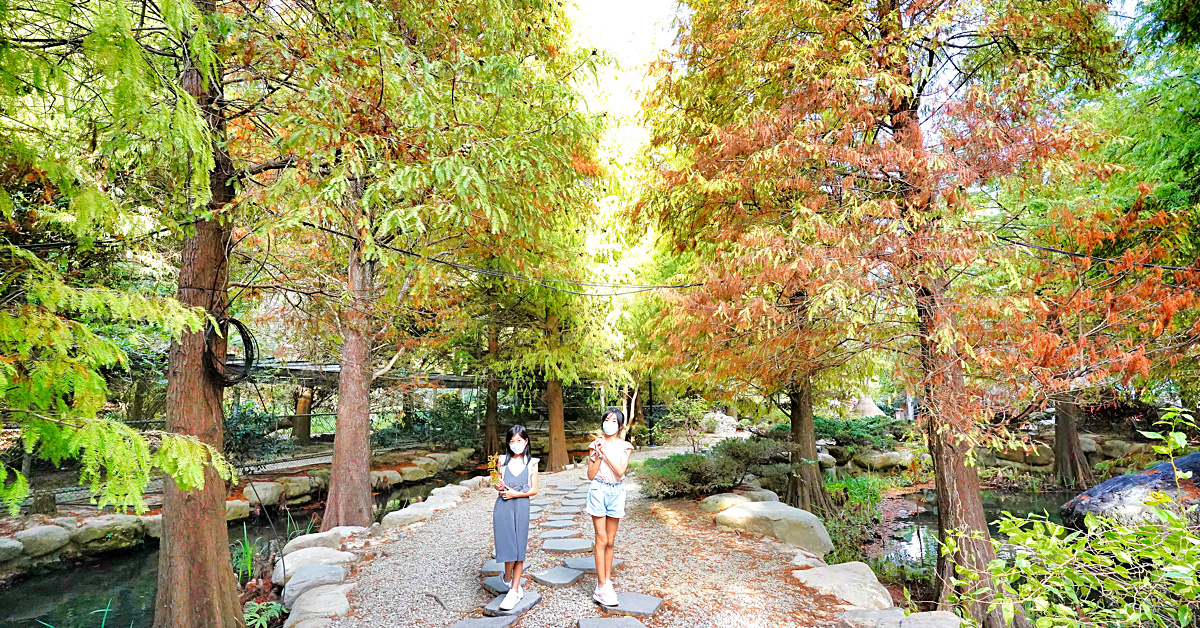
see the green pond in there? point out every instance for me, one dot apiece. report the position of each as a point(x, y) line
point(117, 591)
point(916, 540)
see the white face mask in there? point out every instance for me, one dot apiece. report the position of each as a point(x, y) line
point(610, 427)
point(517, 448)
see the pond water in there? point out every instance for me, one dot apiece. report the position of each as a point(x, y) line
point(915, 542)
point(117, 591)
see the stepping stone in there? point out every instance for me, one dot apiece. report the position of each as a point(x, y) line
point(566, 546)
point(558, 492)
point(568, 486)
point(557, 524)
point(526, 603)
point(492, 568)
point(561, 517)
point(559, 534)
point(606, 622)
point(487, 622)
point(535, 510)
point(557, 576)
point(574, 502)
point(634, 604)
point(495, 584)
point(588, 565)
point(541, 502)
point(566, 510)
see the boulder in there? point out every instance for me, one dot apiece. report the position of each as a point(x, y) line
point(153, 525)
point(286, 566)
point(320, 602)
point(311, 577)
point(295, 486)
point(413, 474)
point(428, 464)
point(1088, 444)
point(474, 482)
point(884, 460)
point(1037, 455)
point(456, 491)
point(42, 540)
point(853, 583)
point(320, 539)
point(69, 523)
point(263, 493)
point(840, 454)
point(1123, 498)
point(931, 619)
point(444, 461)
point(407, 515)
point(296, 501)
point(871, 618)
point(109, 532)
point(382, 479)
point(807, 560)
point(346, 531)
point(237, 509)
point(1115, 448)
point(467, 453)
point(441, 502)
point(717, 503)
point(11, 548)
point(778, 520)
point(761, 495)
point(314, 622)
point(826, 460)
point(719, 424)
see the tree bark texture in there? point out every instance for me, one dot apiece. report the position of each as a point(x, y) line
point(349, 502)
point(1071, 467)
point(558, 432)
point(196, 586)
point(960, 502)
point(806, 486)
point(491, 410)
point(302, 424)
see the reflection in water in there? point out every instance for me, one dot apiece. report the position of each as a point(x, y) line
point(126, 584)
point(917, 543)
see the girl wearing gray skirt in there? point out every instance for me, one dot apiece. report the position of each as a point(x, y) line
point(510, 515)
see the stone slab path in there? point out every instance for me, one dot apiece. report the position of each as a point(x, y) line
point(430, 577)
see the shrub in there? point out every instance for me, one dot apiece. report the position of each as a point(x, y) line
point(857, 499)
point(1113, 575)
point(689, 475)
point(453, 423)
point(879, 432)
point(682, 421)
point(250, 436)
point(262, 614)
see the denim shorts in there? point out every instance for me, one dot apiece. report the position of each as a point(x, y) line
point(606, 500)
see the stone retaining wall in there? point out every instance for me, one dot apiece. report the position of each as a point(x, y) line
point(44, 542)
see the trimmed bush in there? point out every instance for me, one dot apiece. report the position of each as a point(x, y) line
point(690, 475)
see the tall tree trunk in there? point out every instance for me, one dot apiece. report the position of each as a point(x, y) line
point(1071, 467)
point(349, 502)
point(302, 422)
point(558, 432)
point(554, 405)
point(196, 586)
point(959, 500)
point(806, 486)
point(491, 413)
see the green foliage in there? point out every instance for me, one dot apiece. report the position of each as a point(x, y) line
point(244, 554)
point(250, 435)
point(689, 475)
point(857, 499)
point(453, 423)
point(262, 614)
point(1116, 575)
point(878, 432)
point(682, 422)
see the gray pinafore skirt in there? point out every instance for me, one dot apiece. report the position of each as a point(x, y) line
point(510, 518)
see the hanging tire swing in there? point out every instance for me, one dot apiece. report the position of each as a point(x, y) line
point(229, 375)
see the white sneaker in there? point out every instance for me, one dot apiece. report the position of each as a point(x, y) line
point(596, 595)
point(511, 599)
point(608, 596)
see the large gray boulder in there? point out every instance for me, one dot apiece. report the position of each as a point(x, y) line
point(320, 602)
point(871, 618)
point(10, 548)
point(295, 486)
point(853, 583)
point(310, 577)
point(286, 566)
point(42, 540)
point(264, 493)
point(413, 474)
point(1123, 498)
point(236, 509)
point(778, 520)
point(329, 538)
point(932, 619)
point(109, 532)
point(722, 501)
point(884, 460)
point(408, 515)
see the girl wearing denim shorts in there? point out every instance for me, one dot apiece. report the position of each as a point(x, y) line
point(608, 456)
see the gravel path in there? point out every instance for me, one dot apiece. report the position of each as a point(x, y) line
point(707, 578)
